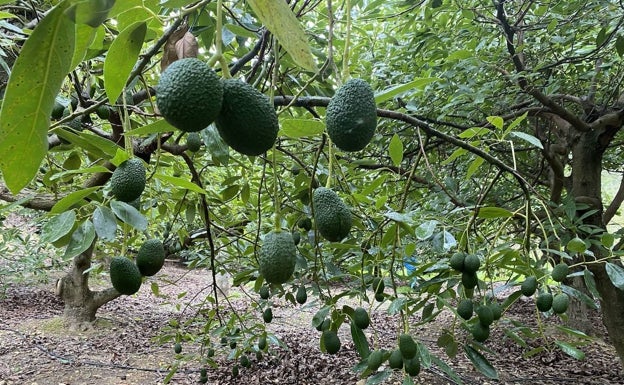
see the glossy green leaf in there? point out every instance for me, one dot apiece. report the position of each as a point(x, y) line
point(572, 292)
point(80, 240)
point(281, 21)
point(129, 215)
point(298, 128)
point(590, 283)
point(616, 274)
point(90, 12)
point(58, 226)
point(121, 58)
point(474, 167)
point(395, 150)
point(105, 223)
point(36, 78)
point(153, 128)
point(494, 212)
point(180, 183)
point(396, 90)
point(443, 366)
point(528, 138)
point(426, 229)
point(496, 121)
point(576, 245)
point(84, 38)
point(360, 341)
point(480, 362)
point(570, 350)
point(72, 199)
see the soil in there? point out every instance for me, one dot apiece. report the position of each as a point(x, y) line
point(126, 346)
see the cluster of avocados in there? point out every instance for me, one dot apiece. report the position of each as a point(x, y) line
point(468, 265)
point(191, 96)
point(545, 300)
point(127, 276)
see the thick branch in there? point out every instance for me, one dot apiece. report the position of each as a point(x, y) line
point(30, 200)
point(103, 296)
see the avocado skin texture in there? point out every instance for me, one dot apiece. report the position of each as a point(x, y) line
point(361, 318)
point(331, 215)
point(351, 116)
point(247, 121)
point(128, 180)
point(277, 257)
point(125, 276)
point(189, 94)
point(193, 141)
point(151, 257)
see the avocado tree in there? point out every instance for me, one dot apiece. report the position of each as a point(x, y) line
point(473, 135)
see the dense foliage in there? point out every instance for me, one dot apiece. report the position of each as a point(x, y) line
point(482, 105)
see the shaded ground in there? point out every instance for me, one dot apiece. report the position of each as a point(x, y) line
point(123, 348)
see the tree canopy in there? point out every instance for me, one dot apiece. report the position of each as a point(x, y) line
point(498, 137)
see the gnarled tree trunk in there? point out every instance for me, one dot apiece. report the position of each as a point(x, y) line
point(81, 304)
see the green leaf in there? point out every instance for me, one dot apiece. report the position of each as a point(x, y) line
point(36, 78)
point(480, 362)
point(474, 166)
point(360, 341)
point(570, 350)
point(393, 91)
point(85, 36)
point(619, 45)
point(153, 128)
point(396, 150)
point(474, 131)
point(580, 295)
point(494, 212)
point(105, 223)
point(616, 275)
point(528, 138)
point(456, 154)
point(516, 122)
point(590, 283)
point(121, 58)
point(379, 378)
point(281, 21)
point(80, 240)
point(58, 226)
point(576, 245)
point(180, 183)
point(129, 215)
point(443, 366)
point(496, 121)
point(298, 128)
point(90, 12)
point(74, 198)
point(397, 305)
point(216, 146)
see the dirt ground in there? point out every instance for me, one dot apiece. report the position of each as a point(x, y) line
point(123, 348)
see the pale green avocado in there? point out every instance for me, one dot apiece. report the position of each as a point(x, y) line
point(277, 257)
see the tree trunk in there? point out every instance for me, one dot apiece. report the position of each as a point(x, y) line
point(586, 188)
point(81, 304)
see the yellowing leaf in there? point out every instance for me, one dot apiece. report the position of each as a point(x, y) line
point(37, 76)
point(121, 57)
point(279, 19)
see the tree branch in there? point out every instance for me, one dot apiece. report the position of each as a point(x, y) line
point(556, 108)
point(103, 296)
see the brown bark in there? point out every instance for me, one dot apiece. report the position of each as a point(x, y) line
point(81, 304)
point(586, 187)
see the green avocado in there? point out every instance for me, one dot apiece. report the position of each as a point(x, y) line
point(331, 214)
point(351, 116)
point(529, 286)
point(125, 276)
point(465, 308)
point(189, 94)
point(151, 257)
point(361, 318)
point(544, 301)
point(277, 257)
point(247, 121)
point(193, 141)
point(331, 341)
point(128, 180)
